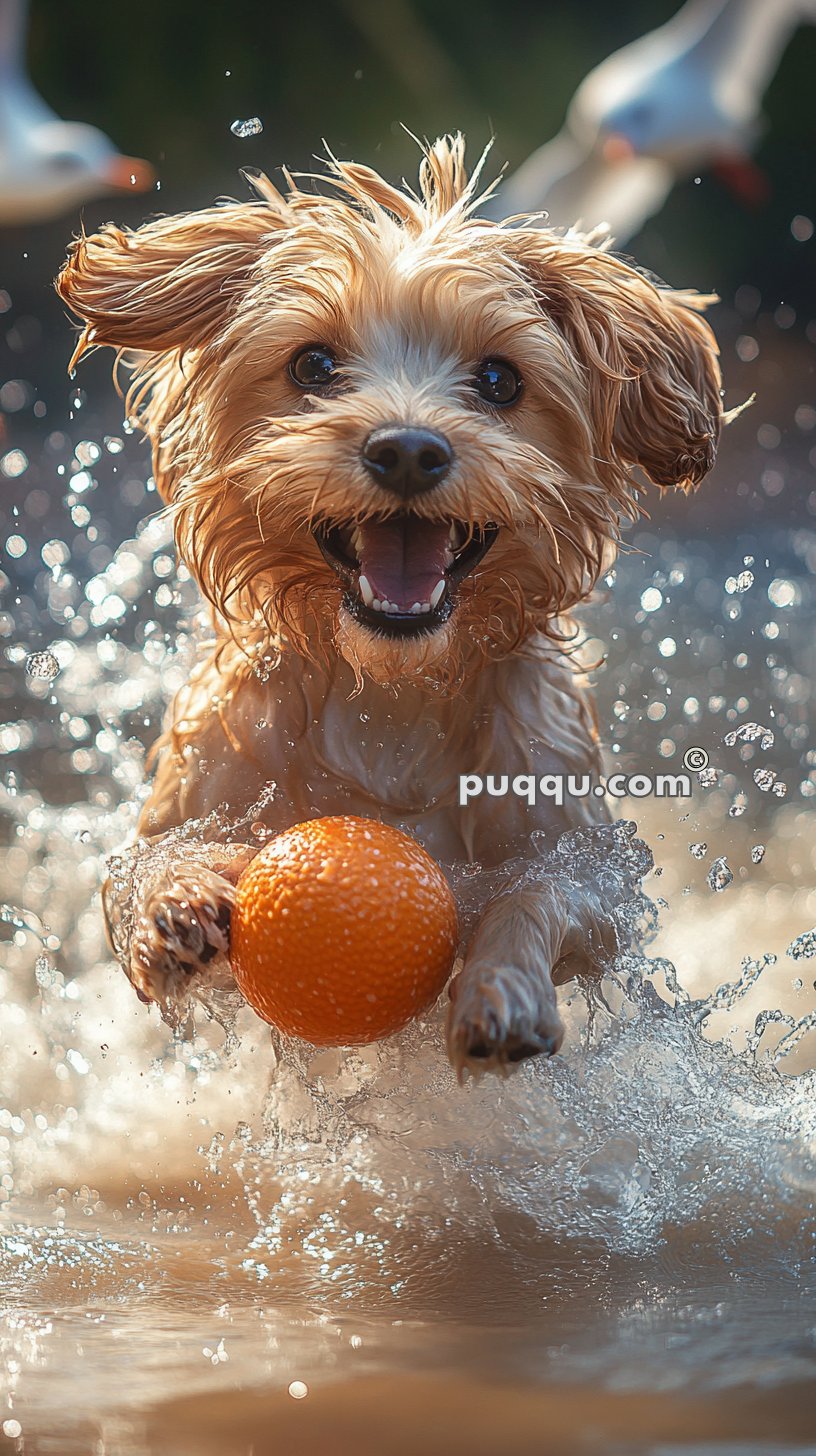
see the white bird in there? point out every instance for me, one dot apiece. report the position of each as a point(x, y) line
point(682, 98)
point(48, 166)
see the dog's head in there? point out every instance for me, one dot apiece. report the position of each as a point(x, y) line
point(384, 422)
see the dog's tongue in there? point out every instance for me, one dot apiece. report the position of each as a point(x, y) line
point(403, 558)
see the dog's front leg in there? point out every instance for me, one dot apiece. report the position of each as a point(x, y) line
point(167, 915)
point(533, 934)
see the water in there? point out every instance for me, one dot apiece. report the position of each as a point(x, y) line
point(616, 1247)
point(251, 127)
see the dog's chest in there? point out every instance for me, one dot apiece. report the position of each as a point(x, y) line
point(400, 757)
point(367, 757)
point(392, 756)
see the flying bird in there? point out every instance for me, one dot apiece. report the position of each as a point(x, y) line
point(683, 98)
point(49, 166)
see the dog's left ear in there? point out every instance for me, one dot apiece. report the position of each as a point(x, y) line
point(168, 284)
point(651, 361)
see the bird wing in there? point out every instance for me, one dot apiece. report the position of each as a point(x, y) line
point(572, 186)
point(744, 47)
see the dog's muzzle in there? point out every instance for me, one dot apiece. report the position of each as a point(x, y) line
point(401, 572)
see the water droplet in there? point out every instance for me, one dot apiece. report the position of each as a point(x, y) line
point(783, 593)
point(14, 464)
point(251, 127)
point(697, 850)
point(44, 973)
point(803, 947)
point(741, 583)
point(758, 853)
point(42, 665)
point(764, 779)
point(749, 733)
point(719, 876)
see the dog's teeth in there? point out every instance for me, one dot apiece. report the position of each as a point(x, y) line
point(357, 541)
point(453, 535)
point(416, 608)
point(377, 604)
point(365, 590)
point(437, 593)
point(426, 606)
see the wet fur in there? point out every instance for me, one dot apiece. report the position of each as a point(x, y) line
point(620, 374)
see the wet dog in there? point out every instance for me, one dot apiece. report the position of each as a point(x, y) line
point(397, 442)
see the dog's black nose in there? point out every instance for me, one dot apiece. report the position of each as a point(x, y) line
point(407, 461)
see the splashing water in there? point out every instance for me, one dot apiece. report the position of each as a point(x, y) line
point(217, 1191)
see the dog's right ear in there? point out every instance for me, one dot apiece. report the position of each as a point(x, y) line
point(166, 285)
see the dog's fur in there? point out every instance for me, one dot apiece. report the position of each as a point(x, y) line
point(411, 292)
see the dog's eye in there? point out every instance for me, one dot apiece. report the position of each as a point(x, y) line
point(314, 367)
point(497, 381)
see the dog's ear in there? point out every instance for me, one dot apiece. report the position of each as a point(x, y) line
point(167, 284)
point(650, 360)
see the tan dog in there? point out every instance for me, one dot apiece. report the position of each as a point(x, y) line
point(397, 441)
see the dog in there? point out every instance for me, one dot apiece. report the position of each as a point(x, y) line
point(397, 441)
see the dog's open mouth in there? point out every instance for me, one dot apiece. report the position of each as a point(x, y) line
point(401, 572)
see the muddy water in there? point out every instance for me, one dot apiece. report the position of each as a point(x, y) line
point(216, 1244)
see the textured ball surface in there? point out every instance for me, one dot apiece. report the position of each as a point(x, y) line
point(343, 930)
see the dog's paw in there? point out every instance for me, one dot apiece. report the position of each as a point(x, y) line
point(499, 1016)
point(180, 929)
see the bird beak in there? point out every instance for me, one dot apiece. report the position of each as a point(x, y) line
point(616, 148)
point(128, 174)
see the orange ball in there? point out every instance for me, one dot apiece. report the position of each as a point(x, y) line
point(343, 930)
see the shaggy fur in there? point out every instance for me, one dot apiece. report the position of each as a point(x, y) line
point(410, 292)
